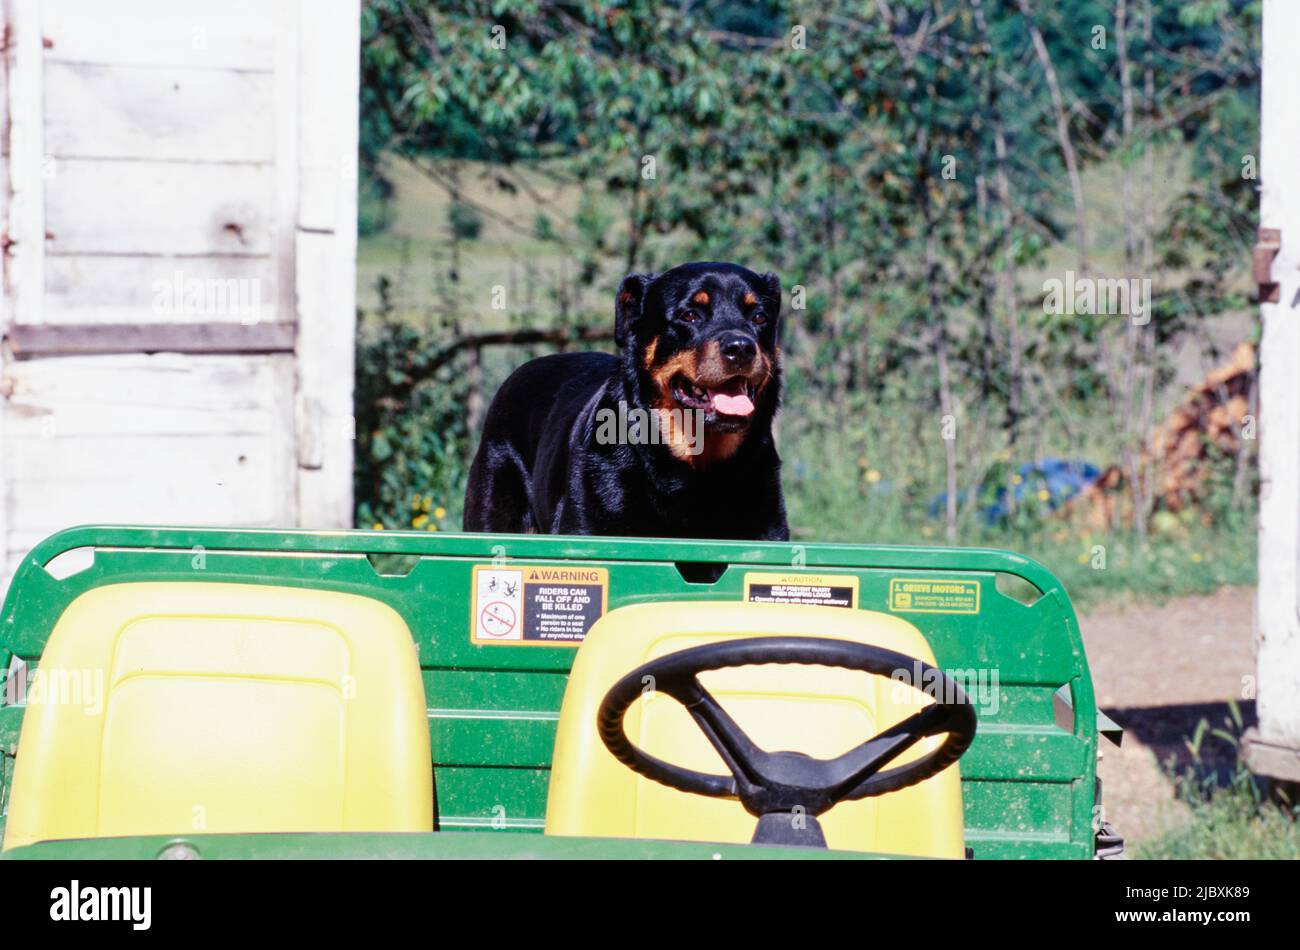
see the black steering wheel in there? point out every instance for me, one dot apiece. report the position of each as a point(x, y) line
point(786, 791)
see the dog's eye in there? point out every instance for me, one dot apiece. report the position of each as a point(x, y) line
point(690, 316)
point(758, 318)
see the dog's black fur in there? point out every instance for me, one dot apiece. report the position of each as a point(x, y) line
point(695, 334)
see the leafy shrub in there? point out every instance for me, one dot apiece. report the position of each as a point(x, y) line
point(411, 436)
point(543, 227)
point(465, 222)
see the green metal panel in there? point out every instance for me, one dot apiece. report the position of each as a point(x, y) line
point(451, 845)
point(1028, 782)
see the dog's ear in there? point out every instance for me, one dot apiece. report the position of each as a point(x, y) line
point(628, 304)
point(772, 290)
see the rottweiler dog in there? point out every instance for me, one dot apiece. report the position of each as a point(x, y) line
point(670, 438)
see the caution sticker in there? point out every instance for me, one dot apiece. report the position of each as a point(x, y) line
point(538, 605)
point(827, 590)
point(933, 596)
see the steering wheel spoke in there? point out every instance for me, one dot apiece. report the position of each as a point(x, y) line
point(855, 766)
point(741, 756)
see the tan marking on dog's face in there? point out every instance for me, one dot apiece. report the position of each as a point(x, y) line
point(701, 298)
point(703, 366)
point(683, 362)
point(749, 299)
point(713, 447)
point(673, 436)
point(718, 447)
point(670, 432)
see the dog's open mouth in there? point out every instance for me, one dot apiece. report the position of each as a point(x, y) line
point(733, 398)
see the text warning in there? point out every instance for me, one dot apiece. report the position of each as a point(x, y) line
point(538, 605)
point(824, 590)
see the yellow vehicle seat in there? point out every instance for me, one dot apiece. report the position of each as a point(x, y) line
point(816, 710)
point(183, 708)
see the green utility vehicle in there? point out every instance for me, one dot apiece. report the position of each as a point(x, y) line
point(178, 692)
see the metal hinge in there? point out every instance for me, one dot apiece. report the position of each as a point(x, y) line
point(1270, 242)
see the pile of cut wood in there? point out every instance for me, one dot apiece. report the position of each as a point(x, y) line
point(1217, 419)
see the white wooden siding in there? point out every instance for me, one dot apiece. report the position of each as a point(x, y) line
point(25, 223)
point(93, 288)
point(157, 144)
point(204, 436)
point(1275, 750)
point(4, 283)
point(325, 256)
point(160, 114)
point(211, 34)
point(158, 209)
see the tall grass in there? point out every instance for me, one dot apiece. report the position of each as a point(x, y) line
point(872, 482)
point(1230, 817)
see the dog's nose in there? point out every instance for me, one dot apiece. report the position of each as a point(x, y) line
point(738, 350)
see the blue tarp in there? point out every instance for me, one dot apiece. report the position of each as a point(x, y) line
point(1062, 478)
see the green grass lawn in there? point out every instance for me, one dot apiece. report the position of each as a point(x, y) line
point(1229, 824)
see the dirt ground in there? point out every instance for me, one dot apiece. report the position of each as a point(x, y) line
point(1158, 670)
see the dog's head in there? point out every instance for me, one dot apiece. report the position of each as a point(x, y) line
point(702, 339)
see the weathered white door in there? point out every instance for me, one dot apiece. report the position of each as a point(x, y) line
point(1275, 748)
point(179, 280)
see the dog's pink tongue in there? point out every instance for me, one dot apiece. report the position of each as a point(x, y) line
point(733, 400)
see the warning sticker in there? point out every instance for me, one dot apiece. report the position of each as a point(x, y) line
point(539, 605)
point(930, 596)
point(828, 590)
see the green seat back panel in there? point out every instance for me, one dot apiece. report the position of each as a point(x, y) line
point(1028, 780)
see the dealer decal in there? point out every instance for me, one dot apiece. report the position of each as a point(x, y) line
point(536, 605)
point(828, 590)
point(923, 595)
